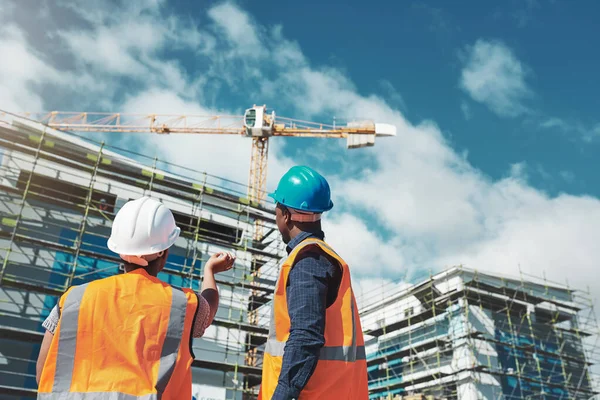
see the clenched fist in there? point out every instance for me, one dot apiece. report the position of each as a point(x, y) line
point(220, 262)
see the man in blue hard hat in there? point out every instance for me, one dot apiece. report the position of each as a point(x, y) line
point(315, 348)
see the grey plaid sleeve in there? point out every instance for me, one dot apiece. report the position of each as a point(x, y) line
point(52, 321)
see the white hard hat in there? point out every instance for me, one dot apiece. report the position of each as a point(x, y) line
point(142, 227)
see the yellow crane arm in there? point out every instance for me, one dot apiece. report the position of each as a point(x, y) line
point(198, 124)
point(143, 123)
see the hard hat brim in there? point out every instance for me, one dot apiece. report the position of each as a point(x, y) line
point(273, 196)
point(283, 203)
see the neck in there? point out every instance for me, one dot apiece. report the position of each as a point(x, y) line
point(309, 227)
point(132, 267)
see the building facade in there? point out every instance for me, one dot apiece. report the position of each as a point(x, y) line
point(466, 335)
point(59, 196)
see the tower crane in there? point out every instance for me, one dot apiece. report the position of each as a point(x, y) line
point(256, 123)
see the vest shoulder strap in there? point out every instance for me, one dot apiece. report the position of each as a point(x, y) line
point(311, 242)
point(192, 297)
point(67, 336)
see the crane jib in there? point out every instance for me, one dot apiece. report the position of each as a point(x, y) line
point(256, 123)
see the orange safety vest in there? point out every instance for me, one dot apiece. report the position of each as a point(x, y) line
point(341, 371)
point(125, 337)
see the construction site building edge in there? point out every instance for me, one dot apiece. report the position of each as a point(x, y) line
point(459, 334)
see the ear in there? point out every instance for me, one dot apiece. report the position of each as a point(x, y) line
point(287, 216)
point(162, 260)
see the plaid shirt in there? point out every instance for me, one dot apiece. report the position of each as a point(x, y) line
point(313, 284)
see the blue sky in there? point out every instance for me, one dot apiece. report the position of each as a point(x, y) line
point(496, 107)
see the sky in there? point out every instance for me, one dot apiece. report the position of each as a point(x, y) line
point(496, 108)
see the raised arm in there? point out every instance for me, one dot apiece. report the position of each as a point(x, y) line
point(219, 262)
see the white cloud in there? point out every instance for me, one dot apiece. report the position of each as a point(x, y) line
point(421, 188)
point(518, 170)
point(107, 51)
point(103, 13)
point(6, 9)
point(364, 249)
point(131, 44)
point(21, 69)
point(554, 123)
point(466, 110)
point(594, 133)
point(493, 75)
point(568, 176)
point(371, 290)
point(240, 32)
point(556, 236)
point(394, 96)
point(588, 133)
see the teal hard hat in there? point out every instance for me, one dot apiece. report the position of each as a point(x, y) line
point(303, 188)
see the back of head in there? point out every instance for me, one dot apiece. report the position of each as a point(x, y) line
point(142, 230)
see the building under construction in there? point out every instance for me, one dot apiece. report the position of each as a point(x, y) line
point(59, 195)
point(467, 335)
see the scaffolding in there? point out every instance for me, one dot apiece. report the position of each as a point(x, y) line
point(463, 334)
point(60, 193)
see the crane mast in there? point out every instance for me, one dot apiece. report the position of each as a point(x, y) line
point(257, 182)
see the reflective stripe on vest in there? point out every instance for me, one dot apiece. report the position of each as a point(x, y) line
point(350, 353)
point(67, 341)
point(95, 396)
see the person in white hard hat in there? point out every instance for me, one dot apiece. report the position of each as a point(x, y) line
point(129, 335)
